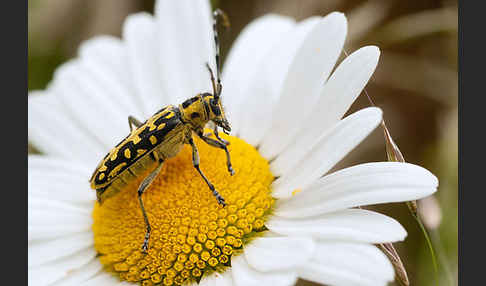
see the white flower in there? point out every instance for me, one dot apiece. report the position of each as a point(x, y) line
point(280, 96)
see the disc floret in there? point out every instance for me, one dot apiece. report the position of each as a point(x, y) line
point(192, 235)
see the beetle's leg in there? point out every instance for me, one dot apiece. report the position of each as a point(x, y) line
point(132, 121)
point(221, 145)
point(141, 189)
point(219, 138)
point(216, 133)
point(195, 162)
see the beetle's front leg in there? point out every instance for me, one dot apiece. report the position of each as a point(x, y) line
point(219, 138)
point(195, 162)
point(218, 144)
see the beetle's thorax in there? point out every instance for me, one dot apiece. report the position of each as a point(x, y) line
point(195, 112)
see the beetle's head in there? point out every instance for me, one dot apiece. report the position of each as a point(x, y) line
point(216, 112)
point(202, 108)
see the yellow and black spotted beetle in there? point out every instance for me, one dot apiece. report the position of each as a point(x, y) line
point(162, 136)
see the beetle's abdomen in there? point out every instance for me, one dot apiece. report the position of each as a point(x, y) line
point(140, 169)
point(137, 145)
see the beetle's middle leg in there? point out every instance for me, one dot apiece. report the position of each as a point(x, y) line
point(141, 189)
point(132, 121)
point(221, 145)
point(195, 162)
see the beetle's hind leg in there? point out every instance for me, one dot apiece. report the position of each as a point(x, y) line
point(132, 121)
point(195, 162)
point(141, 189)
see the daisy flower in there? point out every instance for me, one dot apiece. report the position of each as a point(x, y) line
point(286, 215)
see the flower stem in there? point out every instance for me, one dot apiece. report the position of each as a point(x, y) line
point(431, 248)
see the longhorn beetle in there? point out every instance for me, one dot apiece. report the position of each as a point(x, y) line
point(162, 136)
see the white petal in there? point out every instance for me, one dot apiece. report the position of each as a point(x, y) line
point(217, 279)
point(106, 57)
point(263, 92)
point(186, 43)
point(45, 212)
point(88, 103)
point(336, 97)
point(339, 263)
point(104, 279)
point(309, 70)
point(56, 270)
point(278, 253)
point(37, 231)
point(364, 184)
point(80, 275)
point(244, 275)
point(140, 35)
point(55, 164)
point(331, 147)
point(45, 222)
point(59, 179)
point(36, 204)
point(72, 188)
point(244, 60)
point(54, 132)
point(46, 251)
point(346, 225)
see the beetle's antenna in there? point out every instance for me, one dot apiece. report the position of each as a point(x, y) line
point(215, 92)
point(217, 14)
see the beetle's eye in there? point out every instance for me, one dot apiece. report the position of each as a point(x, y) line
point(216, 110)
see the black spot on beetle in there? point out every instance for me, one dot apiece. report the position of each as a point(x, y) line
point(189, 101)
point(195, 115)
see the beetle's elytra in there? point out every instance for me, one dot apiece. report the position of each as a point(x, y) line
point(162, 136)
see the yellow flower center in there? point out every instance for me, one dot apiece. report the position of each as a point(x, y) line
point(191, 234)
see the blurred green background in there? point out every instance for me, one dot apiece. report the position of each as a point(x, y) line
point(415, 84)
